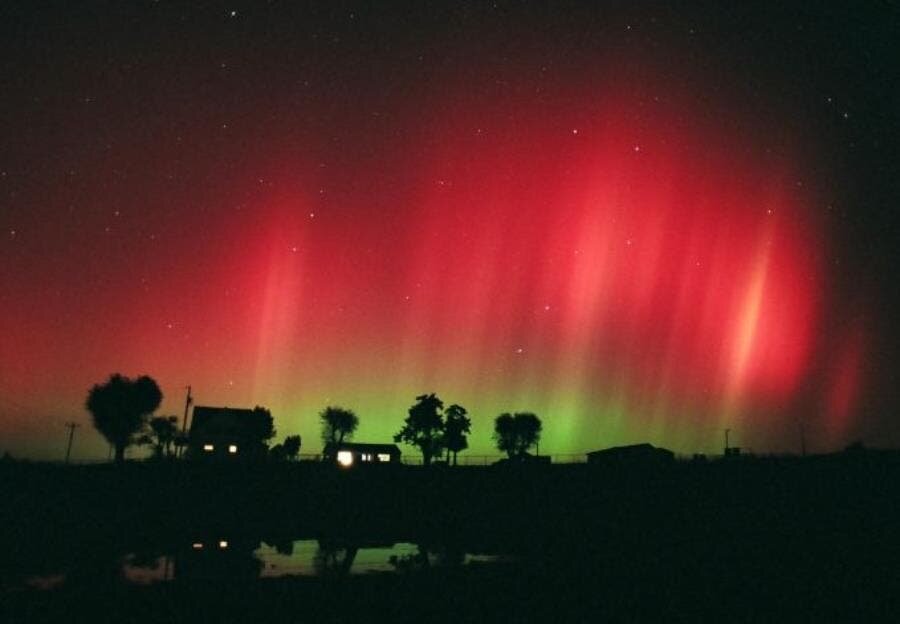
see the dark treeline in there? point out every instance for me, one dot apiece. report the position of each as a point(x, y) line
point(122, 410)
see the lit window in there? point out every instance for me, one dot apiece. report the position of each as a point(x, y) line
point(232, 448)
point(208, 448)
point(197, 545)
point(345, 458)
point(366, 457)
point(384, 457)
point(223, 544)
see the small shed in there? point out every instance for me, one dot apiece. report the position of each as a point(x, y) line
point(632, 455)
point(355, 453)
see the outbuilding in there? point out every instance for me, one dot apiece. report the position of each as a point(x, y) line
point(354, 453)
point(633, 455)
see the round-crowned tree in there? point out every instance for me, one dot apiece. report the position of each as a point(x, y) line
point(338, 424)
point(516, 433)
point(120, 409)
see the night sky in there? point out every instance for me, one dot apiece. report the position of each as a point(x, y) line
point(643, 224)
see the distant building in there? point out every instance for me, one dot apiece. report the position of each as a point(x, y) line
point(352, 453)
point(527, 459)
point(225, 433)
point(632, 455)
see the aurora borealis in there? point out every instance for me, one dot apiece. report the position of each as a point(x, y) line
point(614, 223)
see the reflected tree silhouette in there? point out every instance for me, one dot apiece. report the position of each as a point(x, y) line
point(410, 563)
point(334, 559)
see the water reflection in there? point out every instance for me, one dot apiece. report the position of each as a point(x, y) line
point(234, 558)
point(217, 557)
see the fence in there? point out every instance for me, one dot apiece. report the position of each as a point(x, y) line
point(464, 459)
point(486, 460)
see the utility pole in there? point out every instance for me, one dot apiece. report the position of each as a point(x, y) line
point(726, 440)
point(71, 427)
point(187, 404)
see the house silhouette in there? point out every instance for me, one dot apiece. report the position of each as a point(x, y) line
point(225, 434)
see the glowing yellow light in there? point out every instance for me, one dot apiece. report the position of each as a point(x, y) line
point(223, 543)
point(197, 545)
point(232, 448)
point(208, 448)
point(345, 458)
point(384, 457)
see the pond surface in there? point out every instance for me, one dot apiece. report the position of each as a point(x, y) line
point(220, 558)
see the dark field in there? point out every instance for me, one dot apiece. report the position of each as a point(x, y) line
point(753, 539)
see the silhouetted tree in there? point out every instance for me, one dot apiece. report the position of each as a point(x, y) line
point(180, 442)
point(529, 426)
point(292, 446)
point(424, 427)
point(505, 434)
point(338, 424)
point(120, 408)
point(456, 428)
point(261, 426)
point(164, 430)
point(516, 433)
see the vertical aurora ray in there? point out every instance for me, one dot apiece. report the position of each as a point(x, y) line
point(660, 290)
point(629, 270)
point(279, 317)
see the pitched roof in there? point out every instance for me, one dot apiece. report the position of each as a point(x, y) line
point(629, 449)
point(221, 418)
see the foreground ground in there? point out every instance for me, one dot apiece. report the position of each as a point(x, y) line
point(808, 539)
